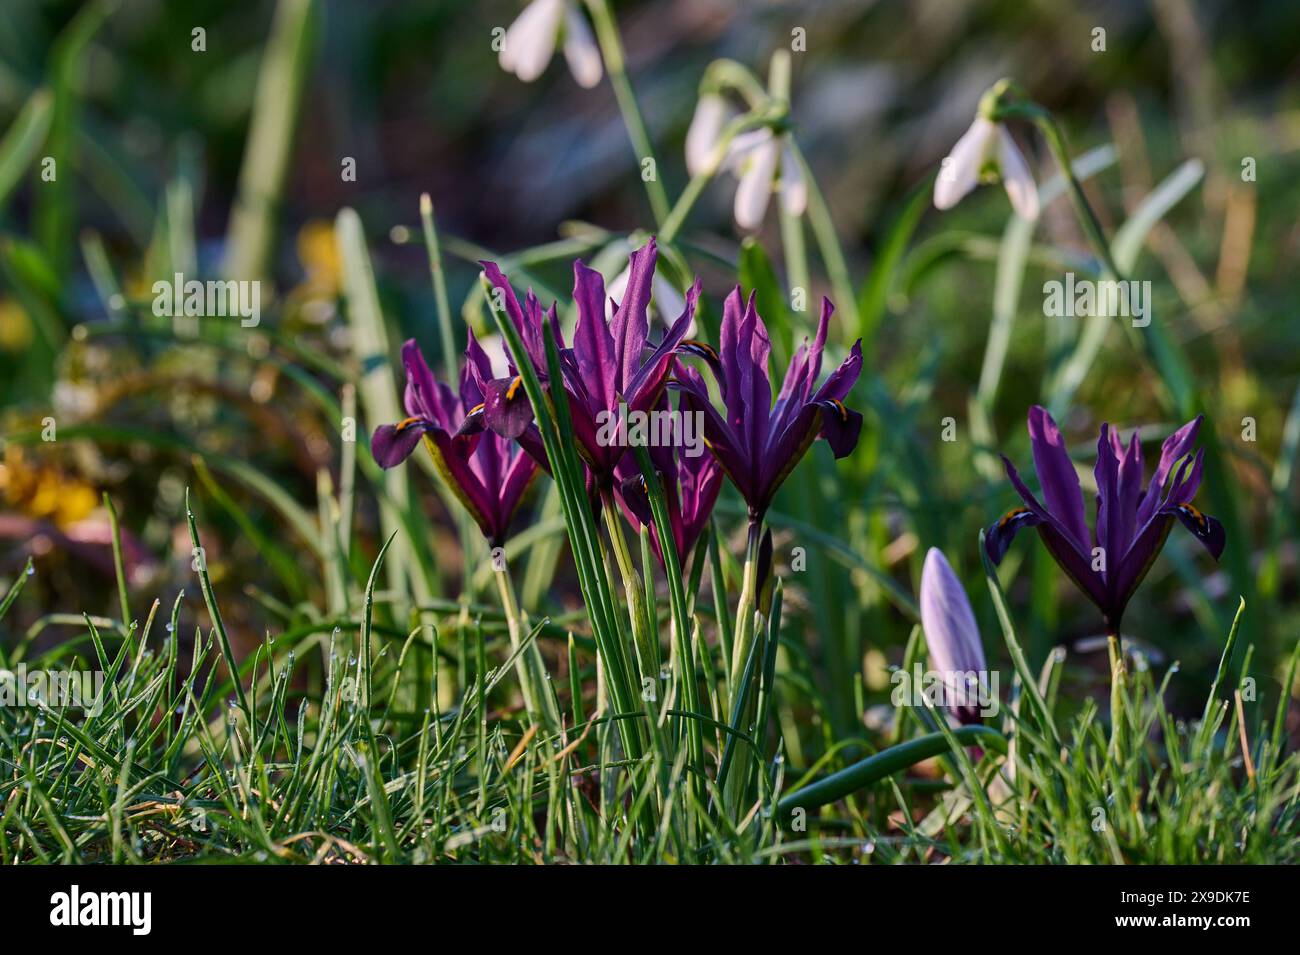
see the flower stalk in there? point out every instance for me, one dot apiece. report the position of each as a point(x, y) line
point(611, 49)
point(743, 637)
point(646, 644)
point(539, 702)
point(1055, 139)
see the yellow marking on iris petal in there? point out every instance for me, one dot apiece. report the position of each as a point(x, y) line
point(514, 387)
point(844, 412)
point(406, 423)
point(1011, 515)
point(704, 347)
point(1194, 514)
point(475, 410)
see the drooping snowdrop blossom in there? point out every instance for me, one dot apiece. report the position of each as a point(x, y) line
point(763, 161)
point(1131, 523)
point(985, 152)
point(712, 113)
point(956, 652)
point(529, 43)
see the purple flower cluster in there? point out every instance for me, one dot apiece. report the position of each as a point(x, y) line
point(486, 445)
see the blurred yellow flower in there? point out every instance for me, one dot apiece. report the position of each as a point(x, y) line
point(44, 492)
point(319, 254)
point(15, 326)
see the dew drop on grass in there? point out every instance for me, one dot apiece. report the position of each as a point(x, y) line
point(169, 628)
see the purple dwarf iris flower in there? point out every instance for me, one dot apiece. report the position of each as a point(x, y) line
point(608, 365)
point(956, 652)
point(691, 486)
point(485, 472)
point(1132, 523)
point(506, 409)
point(758, 444)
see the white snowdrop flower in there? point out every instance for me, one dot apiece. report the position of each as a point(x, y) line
point(986, 145)
point(711, 115)
point(765, 162)
point(529, 43)
point(665, 300)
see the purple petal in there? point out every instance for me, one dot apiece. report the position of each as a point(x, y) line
point(1174, 448)
point(643, 389)
point(722, 441)
point(450, 463)
point(593, 345)
point(949, 624)
point(1204, 528)
point(1128, 486)
point(391, 444)
point(519, 475)
point(843, 378)
point(1133, 568)
point(506, 409)
point(1073, 559)
point(1000, 534)
point(729, 356)
point(1057, 476)
point(630, 324)
point(801, 375)
point(528, 325)
point(1109, 519)
point(755, 384)
point(840, 426)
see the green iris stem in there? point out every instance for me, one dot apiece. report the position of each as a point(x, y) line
point(744, 635)
point(539, 703)
point(611, 50)
point(647, 644)
point(1118, 688)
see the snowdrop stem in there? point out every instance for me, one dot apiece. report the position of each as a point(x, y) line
point(611, 49)
point(727, 74)
point(796, 256)
point(828, 243)
point(1055, 139)
point(792, 237)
